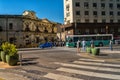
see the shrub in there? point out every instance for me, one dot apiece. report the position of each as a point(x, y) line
point(9, 53)
point(9, 49)
point(95, 51)
point(88, 49)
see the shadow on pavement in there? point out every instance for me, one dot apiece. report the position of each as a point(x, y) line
point(103, 54)
point(29, 61)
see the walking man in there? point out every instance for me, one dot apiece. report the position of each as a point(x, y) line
point(84, 45)
point(92, 43)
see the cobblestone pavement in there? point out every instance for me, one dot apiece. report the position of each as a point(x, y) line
point(64, 64)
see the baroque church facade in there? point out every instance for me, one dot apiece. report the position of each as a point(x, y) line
point(27, 30)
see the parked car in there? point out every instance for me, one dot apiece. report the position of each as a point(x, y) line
point(46, 45)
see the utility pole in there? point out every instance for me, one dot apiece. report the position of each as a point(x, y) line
point(64, 29)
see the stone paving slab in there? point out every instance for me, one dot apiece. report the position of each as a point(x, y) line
point(5, 65)
point(10, 76)
point(2, 79)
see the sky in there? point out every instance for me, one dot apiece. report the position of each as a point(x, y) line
point(50, 9)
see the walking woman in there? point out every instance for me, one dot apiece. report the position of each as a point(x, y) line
point(111, 45)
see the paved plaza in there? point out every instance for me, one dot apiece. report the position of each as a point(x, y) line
point(62, 63)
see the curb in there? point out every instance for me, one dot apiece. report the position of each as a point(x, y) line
point(86, 55)
point(28, 49)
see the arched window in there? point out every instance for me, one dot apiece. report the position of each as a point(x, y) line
point(27, 28)
point(10, 25)
point(46, 31)
point(52, 30)
point(37, 29)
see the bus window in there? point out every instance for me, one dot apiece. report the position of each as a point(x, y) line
point(104, 37)
point(75, 39)
point(109, 37)
point(99, 38)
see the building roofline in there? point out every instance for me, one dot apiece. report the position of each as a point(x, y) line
point(7, 15)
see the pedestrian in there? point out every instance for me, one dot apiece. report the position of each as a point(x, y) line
point(63, 43)
point(92, 43)
point(78, 46)
point(54, 44)
point(111, 45)
point(84, 45)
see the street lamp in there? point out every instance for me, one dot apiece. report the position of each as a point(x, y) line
point(75, 27)
point(64, 29)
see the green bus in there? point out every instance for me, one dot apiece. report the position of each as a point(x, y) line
point(99, 39)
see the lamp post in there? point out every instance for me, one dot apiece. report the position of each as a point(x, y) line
point(64, 29)
point(75, 27)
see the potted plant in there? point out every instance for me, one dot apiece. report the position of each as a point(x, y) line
point(88, 49)
point(12, 56)
point(10, 53)
point(0, 53)
point(95, 51)
point(4, 51)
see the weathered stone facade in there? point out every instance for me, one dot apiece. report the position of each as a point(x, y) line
point(27, 30)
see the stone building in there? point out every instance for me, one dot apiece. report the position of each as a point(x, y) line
point(27, 30)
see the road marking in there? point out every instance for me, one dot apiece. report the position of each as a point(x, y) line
point(89, 67)
point(92, 60)
point(88, 73)
point(108, 51)
point(95, 63)
point(60, 77)
point(93, 66)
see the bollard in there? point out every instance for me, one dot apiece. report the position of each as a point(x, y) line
point(20, 58)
